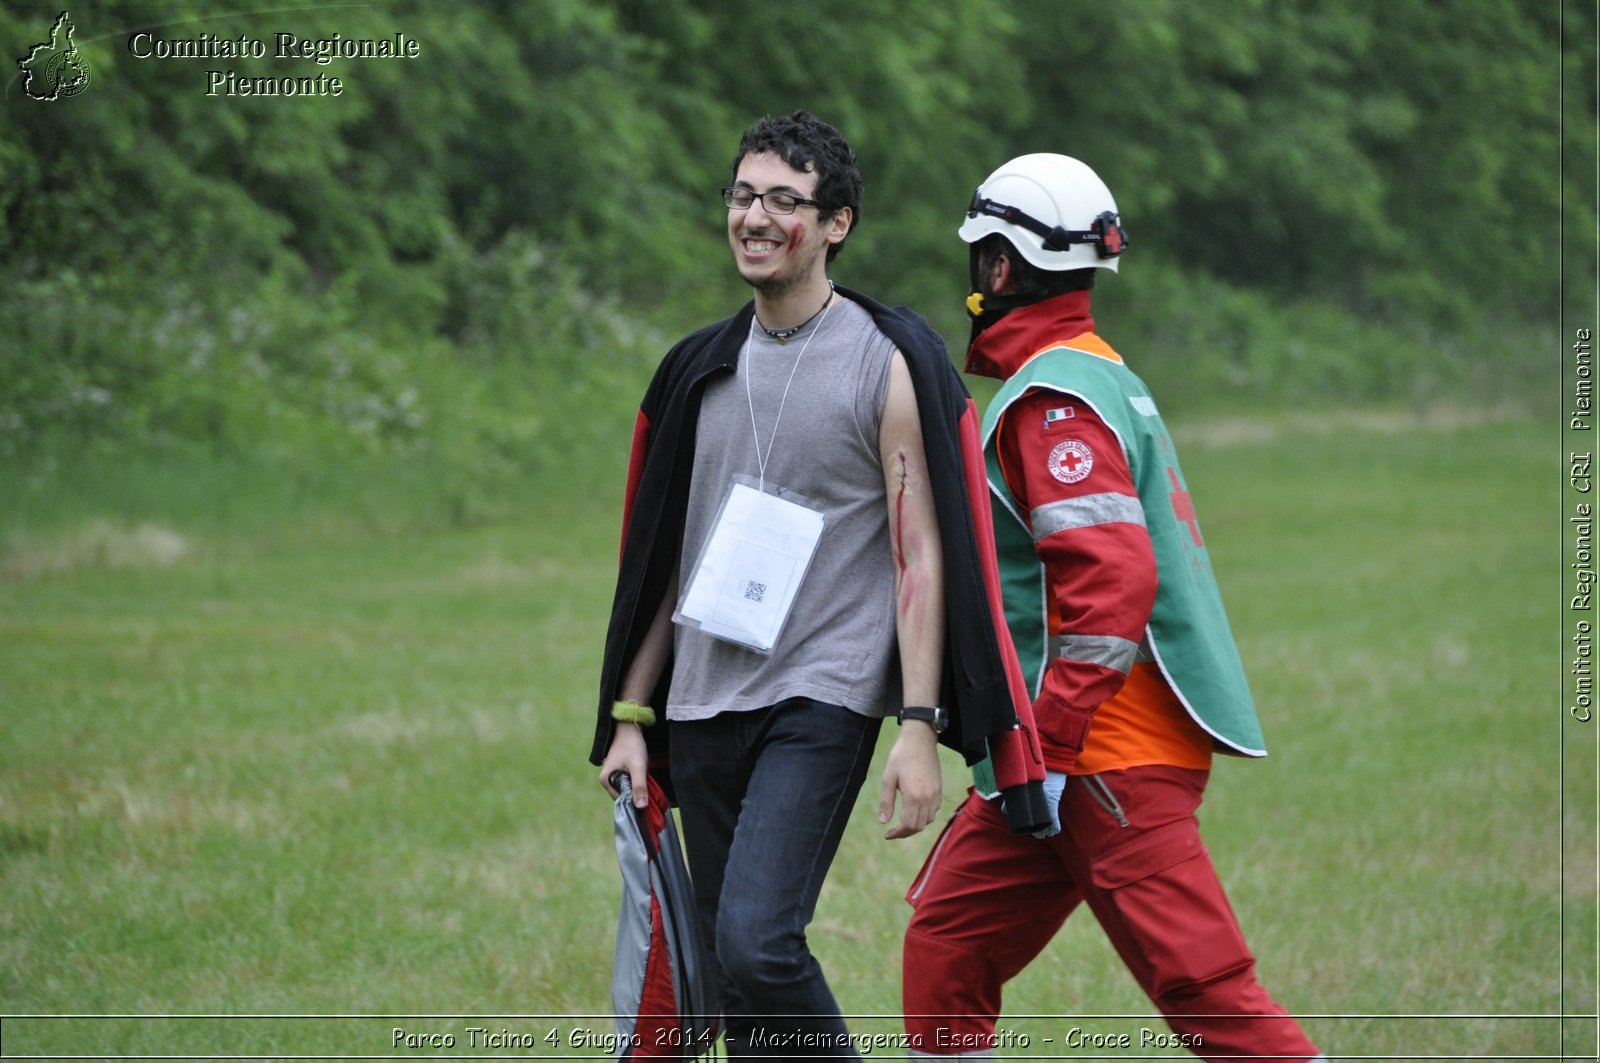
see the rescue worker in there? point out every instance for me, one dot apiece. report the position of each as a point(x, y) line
point(1116, 615)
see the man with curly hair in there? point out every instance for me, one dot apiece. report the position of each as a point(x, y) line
point(799, 561)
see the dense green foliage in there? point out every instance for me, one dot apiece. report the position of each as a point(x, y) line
point(1352, 200)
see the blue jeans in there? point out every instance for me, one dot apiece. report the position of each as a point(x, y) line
point(764, 797)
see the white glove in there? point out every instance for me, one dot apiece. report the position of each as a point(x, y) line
point(1055, 784)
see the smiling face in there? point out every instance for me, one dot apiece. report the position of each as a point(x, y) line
point(781, 254)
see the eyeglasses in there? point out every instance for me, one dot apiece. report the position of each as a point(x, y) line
point(771, 202)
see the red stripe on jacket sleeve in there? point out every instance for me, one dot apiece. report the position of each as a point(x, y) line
point(1015, 755)
point(641, 437)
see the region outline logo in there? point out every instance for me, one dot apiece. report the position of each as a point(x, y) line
point(55, 69)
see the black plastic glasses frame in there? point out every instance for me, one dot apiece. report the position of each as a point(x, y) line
point(771, 202)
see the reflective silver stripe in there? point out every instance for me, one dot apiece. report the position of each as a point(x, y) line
point(1086, 512)
point(1108, 651)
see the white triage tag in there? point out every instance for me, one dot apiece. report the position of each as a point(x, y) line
point(749, 571)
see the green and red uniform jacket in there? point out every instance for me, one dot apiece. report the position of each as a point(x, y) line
point(1103, 561)
point(982, 687)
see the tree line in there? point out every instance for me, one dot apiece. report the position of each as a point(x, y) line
point(528, 205)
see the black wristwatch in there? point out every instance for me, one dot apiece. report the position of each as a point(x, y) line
point(932, 715)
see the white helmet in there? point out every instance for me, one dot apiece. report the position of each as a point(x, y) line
point(1054, 209)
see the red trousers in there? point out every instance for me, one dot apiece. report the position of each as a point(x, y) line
point(988, 901)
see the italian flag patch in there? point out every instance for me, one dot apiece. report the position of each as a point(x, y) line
point(1056, 416)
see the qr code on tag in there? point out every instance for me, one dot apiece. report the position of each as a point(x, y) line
point(754, 591)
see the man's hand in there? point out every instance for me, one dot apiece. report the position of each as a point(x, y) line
point(628, 753)
point(912, 770)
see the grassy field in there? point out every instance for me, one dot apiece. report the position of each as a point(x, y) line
point(263, 757)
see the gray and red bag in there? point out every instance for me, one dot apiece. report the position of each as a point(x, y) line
point(663, 987)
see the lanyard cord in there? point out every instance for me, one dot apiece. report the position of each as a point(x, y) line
point(761, 459)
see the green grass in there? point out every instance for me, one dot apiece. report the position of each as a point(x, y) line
point(262, 754)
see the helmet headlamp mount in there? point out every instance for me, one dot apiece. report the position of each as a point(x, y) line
point(1105, 232)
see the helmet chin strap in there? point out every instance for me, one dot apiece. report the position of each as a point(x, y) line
point(984, 309)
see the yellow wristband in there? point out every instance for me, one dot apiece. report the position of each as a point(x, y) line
point(629, 712)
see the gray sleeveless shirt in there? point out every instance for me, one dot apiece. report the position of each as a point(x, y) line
point(839, 643)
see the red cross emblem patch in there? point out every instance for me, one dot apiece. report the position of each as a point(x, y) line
point(1183, 507)
point(1071, 461)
